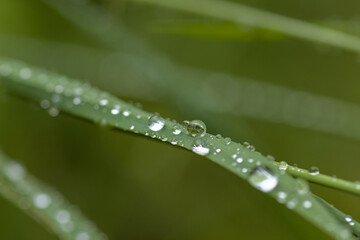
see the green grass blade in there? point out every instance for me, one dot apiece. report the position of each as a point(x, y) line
point(55, 92)
point(43, 203)
point(238, 13)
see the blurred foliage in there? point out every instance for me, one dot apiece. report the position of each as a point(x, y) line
point(147, 190)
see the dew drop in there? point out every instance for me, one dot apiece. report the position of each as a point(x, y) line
point(239, 160)
point(103, 102)
point(314, 171)
point(263, 179)
point(283, 166)
point(115, 111)
point(126, 113)
point(25, 73)
point(82, 236)
point(41, 200)
point(62, 217)
point(281, 197)
point(77, 101)
point(195, 128)
point(45, 104)
point(5, 70)
point(227, 140)
point(14, 171)
point(53, 111)
point(177, 129)
point(270, 158)
point(156, 123)
point(302, 187)
point(307, 204)
point(201, 147)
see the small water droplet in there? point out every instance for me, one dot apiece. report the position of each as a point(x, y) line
point(82, 236)
point(41, 200)
point(115, 111)
point(263, 179)
point(53, 111)
point(218, 136)
point(218, 150)
point(281, 196)
point(14, 171)
point(314, 170)
point(45, 104)
point(283, 166)
point(239, 160)
point(227, 140)
point(195, 128)
point(103, 102)
point(25, 73)
point(177, 129)
point(132, 127)
point(270, 158)
point(201, 147)
point(62, 217)
point(302, 186)
point(5, 70)
point(59, 88)
point(126, 113)
point(307, 204)
point(76, 100)
point(156, 123)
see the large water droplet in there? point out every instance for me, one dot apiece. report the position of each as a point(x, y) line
point(201, 147)
point(263, 179)
point(156, 123)
point(195, 128)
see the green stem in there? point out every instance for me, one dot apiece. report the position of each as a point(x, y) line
point(242, 14)
point(56, 92)
point(318, 178)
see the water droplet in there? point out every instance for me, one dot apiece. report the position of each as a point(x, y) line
point(195, 128)
point(263, 179)
point(283, 166)
point(307, 204)
point(270, 158)
point(156, 123)
point(201, 147)
point(126, 113)
point(45, 104)
point(14, 171)
point(115, 111)
point(53, 111)
point(218, 150)
point(132, 127)
point(239, 160)
point(25, 73)
point(82, 236)
point(218, 136)
point(177, 129)
point(281, 197)
point(103, 102)
point(59, 88)
point(62, 217)
point(77, 101)
point(302, 186)
point(314, 171)
point(5, 70)
point(41, 200)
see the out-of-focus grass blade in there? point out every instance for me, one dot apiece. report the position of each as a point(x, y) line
point(216, 30)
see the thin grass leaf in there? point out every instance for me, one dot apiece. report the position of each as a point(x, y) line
point(55, 92)
point(44, 204)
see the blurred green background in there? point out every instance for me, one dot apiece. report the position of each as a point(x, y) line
point(137, 188)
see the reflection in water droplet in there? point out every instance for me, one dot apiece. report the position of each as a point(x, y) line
point(201, 147)
point(126, 113)
point(41, 200)
point(263, 179)
point(103, 102)
point(283, 166)
point(195, 128)
point(115, 111)
point(156, 123)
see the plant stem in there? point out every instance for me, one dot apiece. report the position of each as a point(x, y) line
point(44, 204)
point(56, 92)
point(327, 181)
